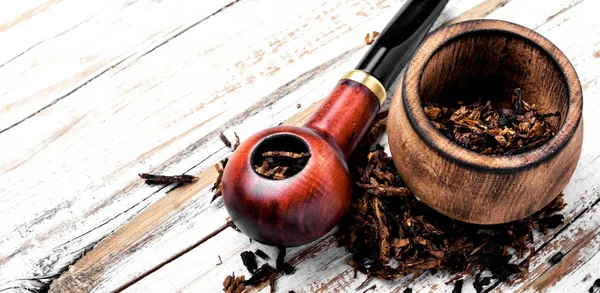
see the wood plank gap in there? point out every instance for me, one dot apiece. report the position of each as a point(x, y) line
point(270, 99)
point(112, 66)
point(21, 54)
point(543, 245)
point(174, 257)
point(65, 95)
point(209, 175)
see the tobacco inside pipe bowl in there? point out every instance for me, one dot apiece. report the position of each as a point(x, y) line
point(485, 59)
point(308, 203)
point(298, 209)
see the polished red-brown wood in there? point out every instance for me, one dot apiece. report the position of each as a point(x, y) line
point(302, 208)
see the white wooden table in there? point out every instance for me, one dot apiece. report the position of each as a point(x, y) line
point(94, 92)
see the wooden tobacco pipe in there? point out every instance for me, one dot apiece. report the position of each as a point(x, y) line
point(302, 208)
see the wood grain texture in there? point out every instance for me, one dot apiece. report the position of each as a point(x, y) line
point(475, 60)
point(130, 257)
point(272, 99)
point(51, 51)
point(125, 110)
point(321, 265)
point(26, 24)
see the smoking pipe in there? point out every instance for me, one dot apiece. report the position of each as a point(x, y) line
point(304, 207)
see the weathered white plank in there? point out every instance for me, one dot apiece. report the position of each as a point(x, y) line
point(165, 90)
point(580, 279)
point(74, 181)
point(323, 269)
point(163, 252)
point(580, 245)
point(26, 24)
point(584, 188)
point(111, 32)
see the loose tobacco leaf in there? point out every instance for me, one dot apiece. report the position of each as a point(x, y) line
point(259, 275)
point(372, 288)
point(482, 128)
point(280, 165)
point(458, 286)
point(556, 258)
point(596, 287)
point(233, 284)
point(261, 254)
point(377, 229)
point(164, 179)
point(216, 188)
point(224, 139)
point(370, 37)
point(380, 227)
point(237, 141)
point(227, 142)
point(221, 166)
point(386, 221)
point(480, 282)
point(249, 261)
point(280, 263)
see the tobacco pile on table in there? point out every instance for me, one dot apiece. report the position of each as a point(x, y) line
point(386, 222)
point(481, 128)
point(392, 234)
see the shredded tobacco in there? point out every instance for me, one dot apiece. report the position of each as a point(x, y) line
point(481, 128)
point(481, 282)
point(595, 287)
point(380, 227)
point(370, 37)
point(249, 261)
point(280, 165)
point(152, 179)
point(280, 263)
point(386, 222)
point(216, 188)
point(266, 272)
point(237, 141)
point(391, 234)
point(458, 286)
point(556, 258)
point(224, 139)
point(233, 284)
point(261, 254)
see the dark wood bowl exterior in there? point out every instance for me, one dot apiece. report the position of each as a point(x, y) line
point(302, 208)
point(469, 186)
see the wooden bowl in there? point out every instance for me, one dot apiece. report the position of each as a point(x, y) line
point(488, 59)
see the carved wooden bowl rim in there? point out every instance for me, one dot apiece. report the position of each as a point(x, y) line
point(411, 98)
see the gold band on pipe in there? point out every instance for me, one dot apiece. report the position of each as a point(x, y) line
point(369, 81)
